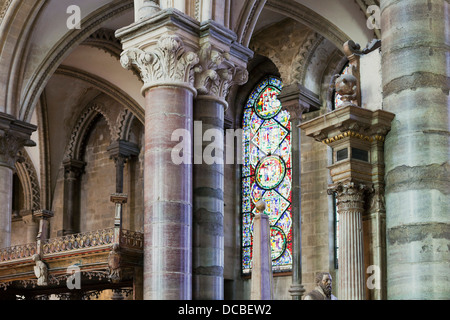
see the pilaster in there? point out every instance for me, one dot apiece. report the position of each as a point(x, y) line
point(356, 138)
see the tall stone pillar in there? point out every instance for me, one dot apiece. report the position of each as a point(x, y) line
point(14, 135)
point(161, 49)
point(215, 74)
point(294, 99)
point(71, 202)
point(415, 55)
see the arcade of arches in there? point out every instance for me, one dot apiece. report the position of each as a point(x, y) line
point(335, 113)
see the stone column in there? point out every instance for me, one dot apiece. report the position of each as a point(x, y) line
point(294, 99)
point(120, 151)
point(14, 135)
point(350, 201)
point(415, 53)
point(44, 227)
point(262, 278)
point(166, 67)
point(71, 202)
point(215, 74)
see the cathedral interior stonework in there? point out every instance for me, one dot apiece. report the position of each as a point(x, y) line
point(224, 150)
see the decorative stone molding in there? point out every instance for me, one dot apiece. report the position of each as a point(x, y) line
point(169, 63)
point(300, 62)
point(297, 100)
point(58, 53)
point(351, 196)
point(104, 86)
point(81, 129)
point(29, 180)
point(4, 8)
point(14, 135)
point(207, 69)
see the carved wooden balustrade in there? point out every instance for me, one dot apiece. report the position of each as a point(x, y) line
point(19, 252)
point(89, 251)
point(79, 241)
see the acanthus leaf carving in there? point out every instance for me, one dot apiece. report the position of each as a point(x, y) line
point(169, 62)
point(215, 73)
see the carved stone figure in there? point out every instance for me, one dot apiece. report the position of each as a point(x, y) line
point(346, 87)
point(114, 265)
point(323, 288)
point(40, 270)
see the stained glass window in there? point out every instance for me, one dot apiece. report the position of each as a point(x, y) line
point(266, 173)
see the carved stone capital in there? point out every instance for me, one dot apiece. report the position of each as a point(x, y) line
point(73, 169)
point(167, 64)
point(14, 135)
point(350, 196)
point(215, 73)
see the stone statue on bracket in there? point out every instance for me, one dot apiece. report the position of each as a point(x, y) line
point(40, 270)
point(324, 286)
point(346, 85)
point(114, 264)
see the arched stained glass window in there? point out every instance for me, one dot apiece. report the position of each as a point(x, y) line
point(266, 173)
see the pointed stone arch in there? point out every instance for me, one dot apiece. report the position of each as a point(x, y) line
point(29, 180)
point(81, 129)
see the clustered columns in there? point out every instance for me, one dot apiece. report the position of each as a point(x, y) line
point(416, 73)
point(14, 135)
point(187, 69)
point(216, 72)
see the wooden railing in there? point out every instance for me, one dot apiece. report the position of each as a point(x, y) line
point(17, 252)
point(74, 242)
point(79, 241)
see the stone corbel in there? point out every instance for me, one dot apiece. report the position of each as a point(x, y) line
point(115, 264)
point(14, 135)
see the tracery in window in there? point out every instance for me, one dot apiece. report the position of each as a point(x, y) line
point(266, 173)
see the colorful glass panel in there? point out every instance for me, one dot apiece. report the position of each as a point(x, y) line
point(270, 172)
point(266, 173)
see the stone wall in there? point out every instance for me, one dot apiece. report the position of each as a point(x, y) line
point(98, 181)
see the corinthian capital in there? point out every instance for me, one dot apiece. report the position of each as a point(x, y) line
point(167, 63)
point(351, 196)
point(215, 73)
